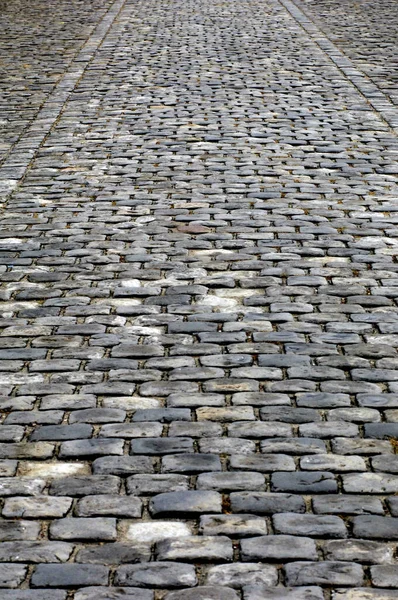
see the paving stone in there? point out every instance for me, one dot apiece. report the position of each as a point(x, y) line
point(9, 431)
point(256, 592)
point(375, 527)
point(393, 505)
point(161, 574)
point(374, 483)
point(384, 576)
point(365, 594)
point(259, 430)
point(27, 486)
point(253, 592)
point(225, 414)
point(190, 463)
point(204, 593)
point(154, 531)
point(115, 506)
point(114, 553)
point(194, 400)
point(289, 414)
point(89, 448)
point(362, 551)
point(53, 470)
point(98, 593)
point(8, 468)
point(186, 502)
point(361, 447)
point(35, 552)
point(348, 505)
point(19, 530)
point(260, 398)
point(195, 429)
point(101, 528)
point(303, 482)
point(293, 446)
point(12, 433)
point(36, 507)
point(329, 429)
point(323, 400)
point(69, 575)
point(156, 484)
point(266, 503)
point(263, 463)
point(97, 415)
point(158, 446)
point(83, 486)
point(382, 431)
point(230, 481)
point(122, 465)
point(233, 525)
point(11, 575)
point(278, 547)
point(239, 575)
point(209, 548)
point(226, 445)
point(356, 415)
point(330, 462)
point(309, 525)
point(33, 595)
point(62, 432)
point(326, 573)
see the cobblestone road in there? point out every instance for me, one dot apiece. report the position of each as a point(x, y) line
point(367, 33)
point(199, 367)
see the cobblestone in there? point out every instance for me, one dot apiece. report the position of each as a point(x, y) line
point(198, 265)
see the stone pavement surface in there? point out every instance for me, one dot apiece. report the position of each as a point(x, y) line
point(367, 33)
point(199, 367)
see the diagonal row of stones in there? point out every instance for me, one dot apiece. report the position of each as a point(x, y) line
point(366, 33)
point(199, 368)
point(373, 92)
point(37, 45)
point(26, 129)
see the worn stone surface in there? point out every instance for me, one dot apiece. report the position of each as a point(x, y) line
point(69, 575)
point(326, 573)
point(204, 593)
point(115, 553)
point(278, 547)
point(186, 502)
point(256, 592)
point(161, 574)
point(12, 575)
point(309, 525)
point(198, 287)
point(359, 551)
point(234, 525)
point(99, 593)
point(35, 552)
point(212, 548)
point(154, 531)
point(365, 594)
point(33, 594)
point(239, 575)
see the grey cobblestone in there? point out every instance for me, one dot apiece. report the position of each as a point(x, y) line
point(278, 547)
point(67, 575)
point(33, 594)
point(252, 592)
point(237, 576)
point(204, 593)
point(161, 574)
point(198, 363)
point(98, 593)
